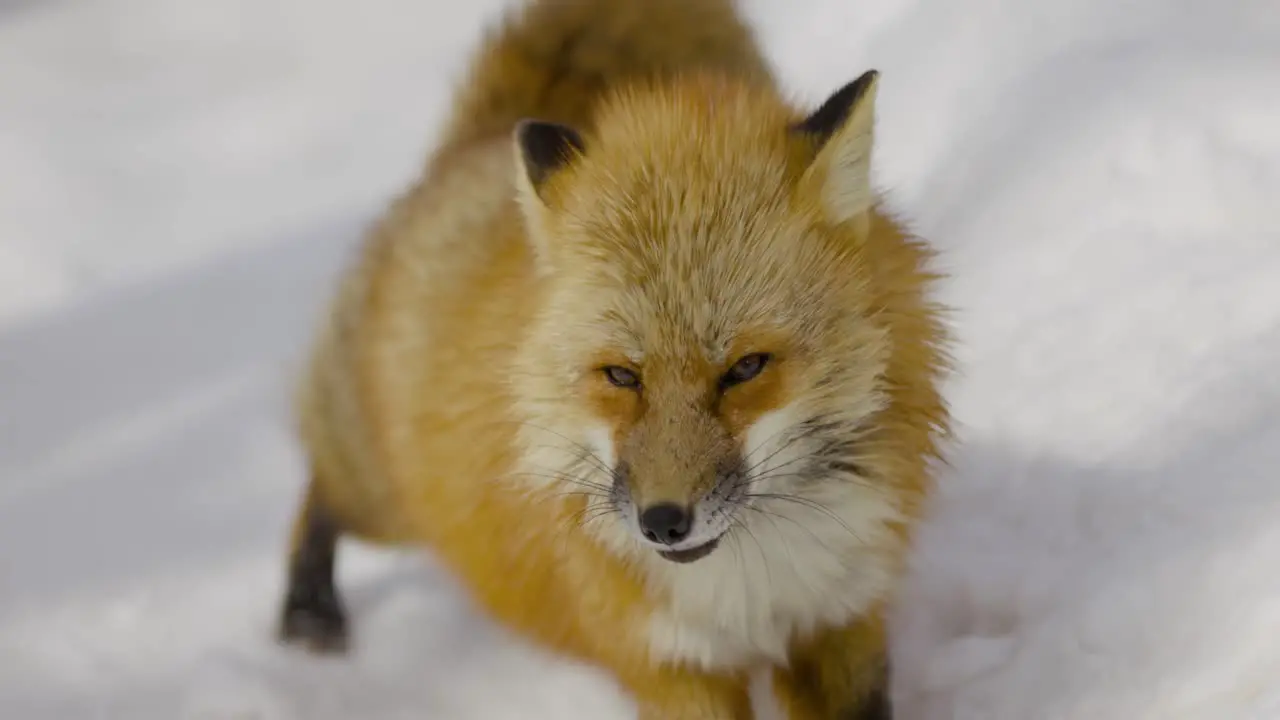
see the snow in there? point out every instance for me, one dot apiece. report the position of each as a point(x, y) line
point(182, 181)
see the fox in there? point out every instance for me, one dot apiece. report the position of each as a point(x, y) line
point(644, 360)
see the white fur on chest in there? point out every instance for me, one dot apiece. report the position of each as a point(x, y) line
point(797, 568)
point(786, 567)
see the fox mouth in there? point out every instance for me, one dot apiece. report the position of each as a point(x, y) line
point(692, 554)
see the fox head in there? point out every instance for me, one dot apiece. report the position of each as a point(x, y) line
point(728, 334)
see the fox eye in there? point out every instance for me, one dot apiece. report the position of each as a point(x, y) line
point(747, 367)
point(622, 377)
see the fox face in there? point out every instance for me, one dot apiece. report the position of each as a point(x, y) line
point(708, 359)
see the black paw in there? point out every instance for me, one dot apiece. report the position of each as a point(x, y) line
point(314, 621)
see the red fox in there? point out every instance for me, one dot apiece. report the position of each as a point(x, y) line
point(644, 361)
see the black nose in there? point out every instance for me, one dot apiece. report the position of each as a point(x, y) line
point(665, 523)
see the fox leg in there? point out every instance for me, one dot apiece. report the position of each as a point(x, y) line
point(312, 615)
point(840, 674)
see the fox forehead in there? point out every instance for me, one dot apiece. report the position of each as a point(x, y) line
point(681, 229)
point(675, 180)
point(684, 331)
point(707, 270)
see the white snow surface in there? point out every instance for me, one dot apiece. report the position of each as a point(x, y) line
point(179, 183)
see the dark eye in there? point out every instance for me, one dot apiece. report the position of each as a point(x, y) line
point(747, 367)
point(622, 377)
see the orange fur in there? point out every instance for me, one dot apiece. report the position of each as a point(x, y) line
point(458, 377)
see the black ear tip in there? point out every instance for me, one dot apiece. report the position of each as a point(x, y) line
point(835, 110)
point(530, 130)
point(541, 138)
point(546, 146)
point(855, 90)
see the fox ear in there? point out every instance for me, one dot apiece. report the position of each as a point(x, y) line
point(842, 129)
point(542, 148)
